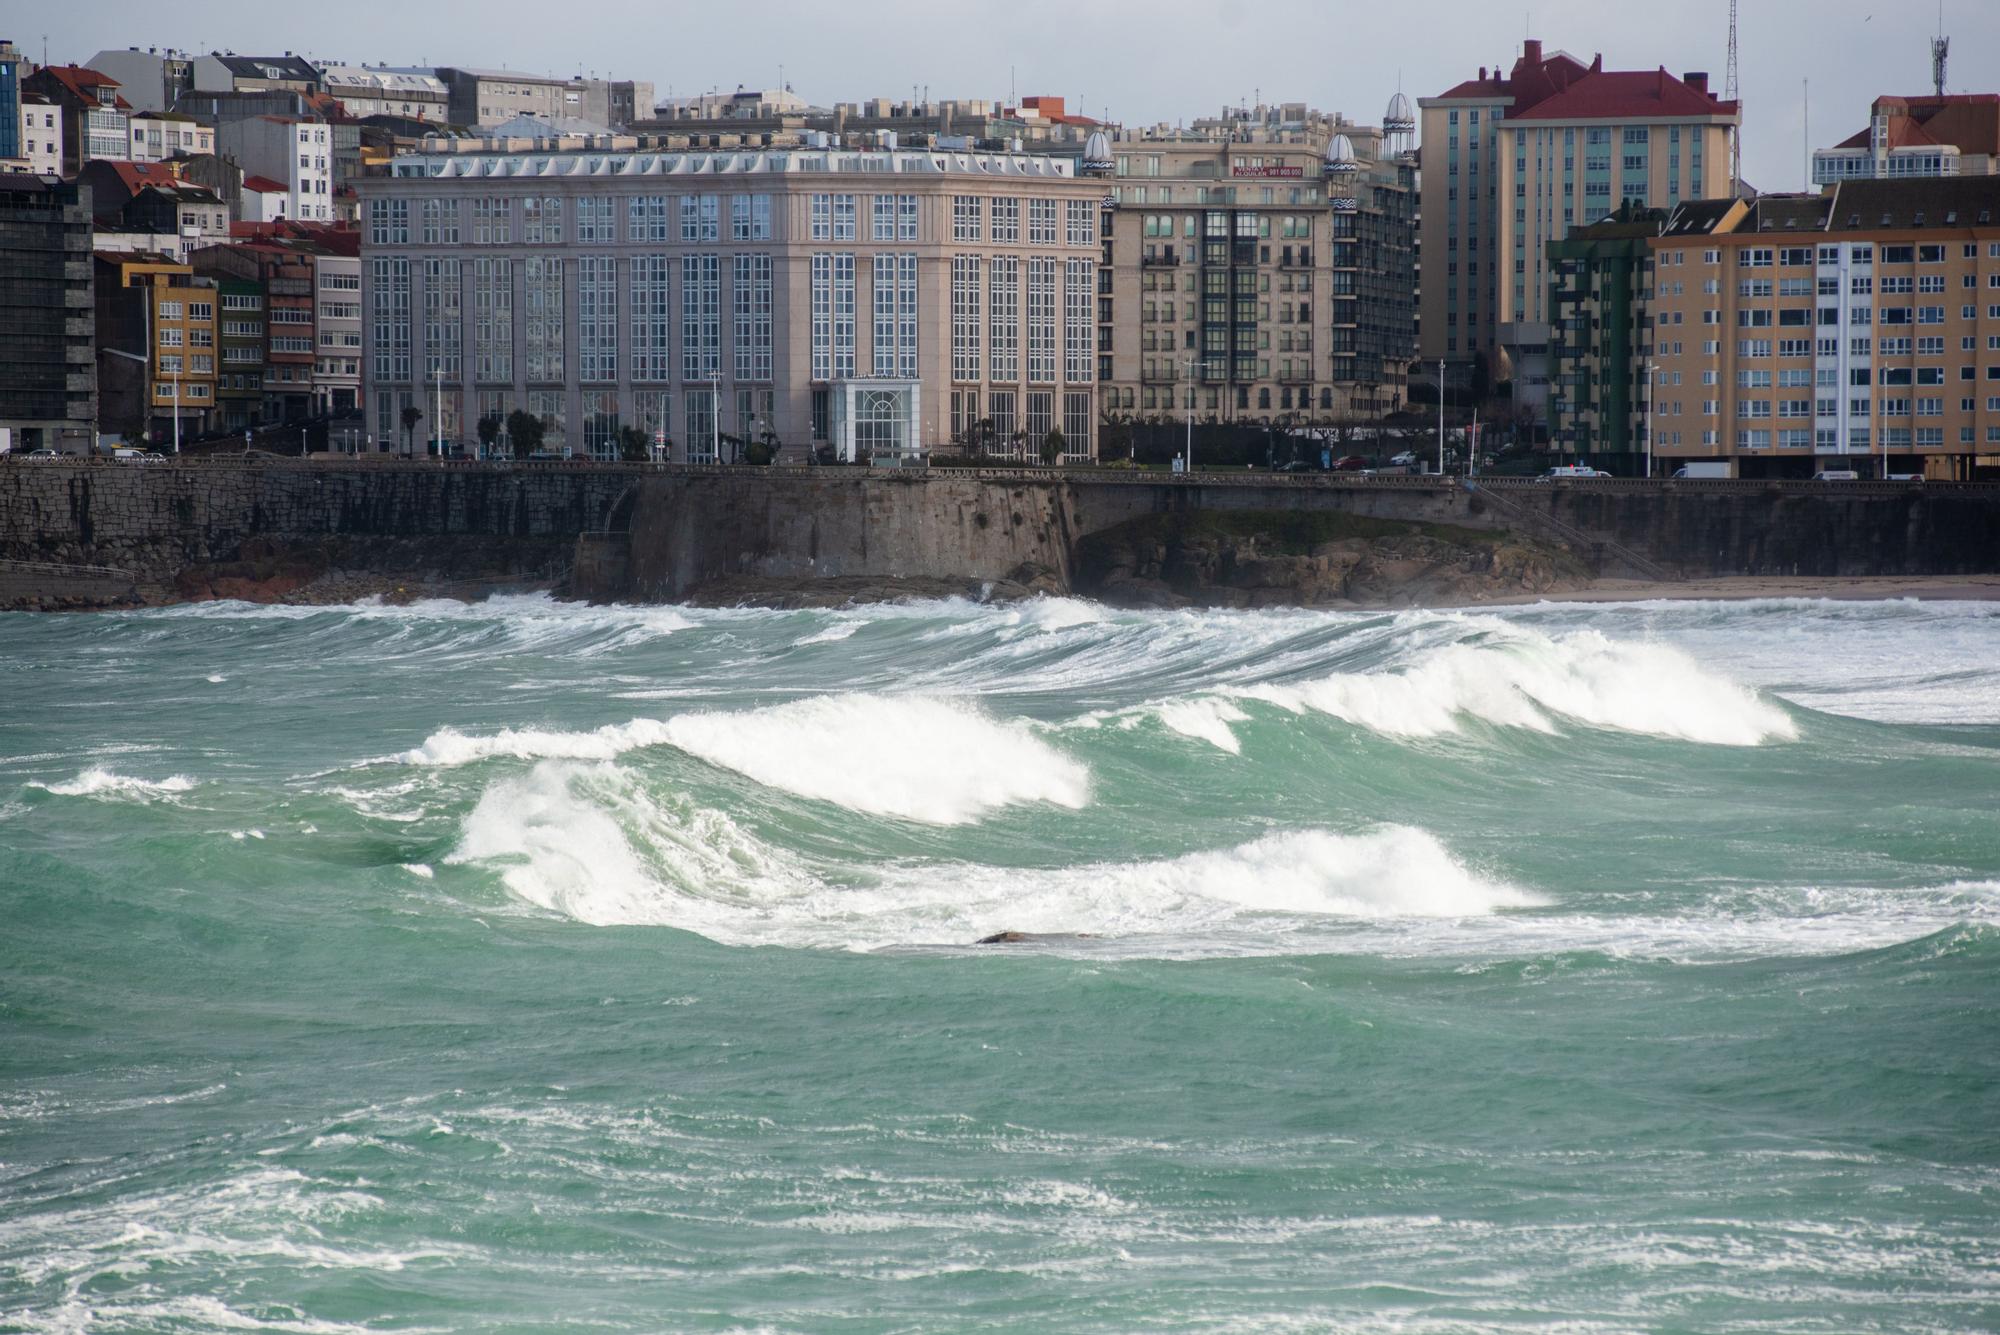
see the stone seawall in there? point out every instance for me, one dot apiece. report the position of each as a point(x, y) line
point(204, 512)
point(691, 530)
point(635, 531)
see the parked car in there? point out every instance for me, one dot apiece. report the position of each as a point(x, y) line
point(43, 455)
point(1905, 477)
point(1353, 463)
point(1571, 471)
point(1404, 460)
point(1297, 466)
point(125, 456)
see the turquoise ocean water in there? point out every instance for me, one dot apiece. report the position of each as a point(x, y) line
point(528, 966)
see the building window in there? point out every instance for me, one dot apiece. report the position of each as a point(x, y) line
point(596, 313)
point(389, 302)
point(493, 318)
point(1076, 426)
point(1007, 221)
point(1081, 220)
point(965, 317)
point(440, 222)
point(593, 220)
point(1041, 320)
point(389, 222)
point(652, 320)
point(968, 217)
point(700, 218)
point(646, 218)
point(833, 217)
point(600, 422)
point(750, 217)
point(442, 319)
point(1003, 302)
point(1079, 329)
point(701, 316)
point(542, 282)
point(541, 221)
point(751, 296)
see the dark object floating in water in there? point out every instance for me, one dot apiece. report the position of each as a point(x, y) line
point(1022, 938)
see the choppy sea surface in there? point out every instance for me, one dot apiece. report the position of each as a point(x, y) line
point(528, 966)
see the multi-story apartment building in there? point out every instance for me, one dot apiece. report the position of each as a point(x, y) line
point(159, 136)
point(1513, 162)
point(1599, 319)
point(40, 145)
point(227, 72)
point(1860, 328)
point(384, 92)
point(95, 115)
point(295, 153)
point(239, 387)
point(151, 80)
point(1260, 269)
point(282, 276)
point(48, 380)
point(12, 121)
point(158, 313)
point(1957, 134)
point(479, 97)
point(336, 382)
point(877, 301)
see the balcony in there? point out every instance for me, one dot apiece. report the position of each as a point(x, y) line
point(1158, 261)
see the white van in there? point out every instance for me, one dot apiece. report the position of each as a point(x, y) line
point(1836, 475)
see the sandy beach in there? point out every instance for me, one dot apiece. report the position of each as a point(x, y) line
point(1861, 588)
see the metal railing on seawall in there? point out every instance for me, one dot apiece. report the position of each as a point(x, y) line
point(1095, 474)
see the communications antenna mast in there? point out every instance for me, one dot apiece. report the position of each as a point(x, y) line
point(1732, 92)
point(1940, 52)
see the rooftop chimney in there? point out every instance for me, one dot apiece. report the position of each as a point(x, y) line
point(1696, 80)
point(1531, 51)
point(1482, 74)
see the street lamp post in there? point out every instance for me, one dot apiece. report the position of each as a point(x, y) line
point(1441, 391)
point(437, 408)
point(177, 405)
point(1652, 392)
point(1187, 455)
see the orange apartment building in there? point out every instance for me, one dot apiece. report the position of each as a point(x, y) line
point(1856, 329)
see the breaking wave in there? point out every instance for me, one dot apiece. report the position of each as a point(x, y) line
point(589, 842)
point(911, 757)
point(1531, 680)
point(96, 782)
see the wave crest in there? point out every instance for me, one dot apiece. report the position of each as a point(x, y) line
point(1528, 680)
point(97, 782)
point(590, 842)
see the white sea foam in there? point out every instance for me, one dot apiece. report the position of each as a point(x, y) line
point(449, 746)
point(1206, 719)
point(96, 782)
point(1525, 679)
point(589, 842)
point(913, 757)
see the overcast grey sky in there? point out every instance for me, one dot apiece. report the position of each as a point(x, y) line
point(1138, 61)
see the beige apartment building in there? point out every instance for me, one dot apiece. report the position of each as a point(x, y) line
point(1513, 162)
point(1260, 268)
point(1859, 329)
point(877, 301)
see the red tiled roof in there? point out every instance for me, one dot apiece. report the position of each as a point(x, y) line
point(1624, 95)
point(264, 185)
point(1968, 121)
point(80, 80)
point(1560, 87)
